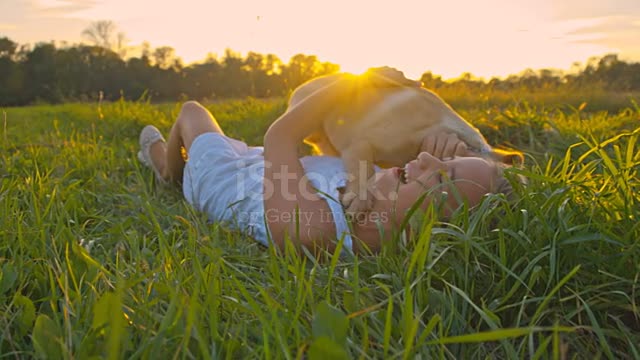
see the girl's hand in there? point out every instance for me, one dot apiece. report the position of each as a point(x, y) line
point(444, 146)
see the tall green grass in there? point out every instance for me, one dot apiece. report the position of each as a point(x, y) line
point(98, 261)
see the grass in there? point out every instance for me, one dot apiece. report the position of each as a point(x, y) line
point(98, 261)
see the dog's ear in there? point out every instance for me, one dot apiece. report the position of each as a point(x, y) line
point(509, 157)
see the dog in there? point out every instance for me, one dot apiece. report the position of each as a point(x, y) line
point(385, 126)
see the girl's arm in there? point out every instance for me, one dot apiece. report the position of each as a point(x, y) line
point(327, 97)
point(287, 191)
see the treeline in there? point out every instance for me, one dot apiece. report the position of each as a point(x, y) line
point(47, 73)
point(53, 74)
point(607, 73)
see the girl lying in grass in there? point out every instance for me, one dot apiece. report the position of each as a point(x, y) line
point(272, 194)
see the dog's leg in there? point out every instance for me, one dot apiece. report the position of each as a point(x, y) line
point(321, 144)
point(358, 161)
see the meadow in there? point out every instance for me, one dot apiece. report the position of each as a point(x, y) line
point(99, 261)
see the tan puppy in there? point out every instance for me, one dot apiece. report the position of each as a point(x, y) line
point(384, 126)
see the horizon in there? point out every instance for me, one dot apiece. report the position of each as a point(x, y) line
point(135, 50)
point(356, 35)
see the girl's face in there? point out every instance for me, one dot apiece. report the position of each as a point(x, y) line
point(459, 179)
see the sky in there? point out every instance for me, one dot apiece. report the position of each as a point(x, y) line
point(487, 38)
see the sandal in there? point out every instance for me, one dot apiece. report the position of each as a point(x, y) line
point(149, 136)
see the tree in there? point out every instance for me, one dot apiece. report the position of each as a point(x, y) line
point(235, 79)
point(203, 80)
point(164, 57)
point(7, 47)
point(100, 33)
point(103, 33)
point(121, 45)
point(41, 72)
point(431, 81)
point(302, 68)
point(11, 77)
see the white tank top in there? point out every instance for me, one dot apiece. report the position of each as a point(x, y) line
point(224, 178)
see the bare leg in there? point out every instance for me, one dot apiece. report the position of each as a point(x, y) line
point(193, 120)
